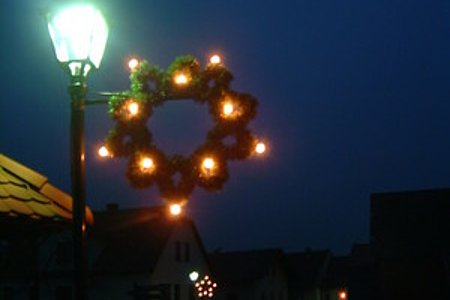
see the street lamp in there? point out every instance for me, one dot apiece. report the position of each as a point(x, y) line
point(79, 33)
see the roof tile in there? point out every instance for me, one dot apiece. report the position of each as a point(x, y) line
point(41, 209)
point(60, 212)
point(26, 193)
point(8, 178)
point(32, 177)
point(58, 196)
point(17, 192)
point(18, 206)
point(3, 193)
point(3, 207)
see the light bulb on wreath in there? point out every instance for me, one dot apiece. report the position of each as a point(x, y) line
point(147, 165)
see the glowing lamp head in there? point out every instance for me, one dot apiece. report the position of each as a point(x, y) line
point(342, 295)
point(215, 59)
point(133, 108)
point(79, 33)
point(193, 276)
point(103, 152)
point(175, 210)
point(181, 79)
point(133, 63)
point(260, 148)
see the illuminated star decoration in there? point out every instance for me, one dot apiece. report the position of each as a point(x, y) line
point(205, 287)
point(206, 167)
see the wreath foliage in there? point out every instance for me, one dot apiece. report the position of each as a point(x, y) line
point(176, 176)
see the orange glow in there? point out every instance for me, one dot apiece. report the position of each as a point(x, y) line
point(103, 152)
point(133, 63)
point(175, 209)
point(208, 166)
point(342, 295)
point(147, 164)
point(215, 59)
point(228, 108)
point(181, 79)
point(133, 108)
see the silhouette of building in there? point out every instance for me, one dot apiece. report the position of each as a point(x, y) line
point(250, 275)
point(410, 236)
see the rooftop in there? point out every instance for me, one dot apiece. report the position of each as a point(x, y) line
point(26, 194)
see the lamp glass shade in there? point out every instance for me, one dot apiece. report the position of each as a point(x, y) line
point(79, 34)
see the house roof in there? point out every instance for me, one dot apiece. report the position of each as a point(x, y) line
point(306, 269)
point(27, 194)
point(243, 266)
point(131, 240)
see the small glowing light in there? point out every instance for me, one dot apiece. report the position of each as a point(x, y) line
point(228, 109)
point(133, 63)
point(260, 148)
point(205, 288)
point(103, 152)
point(342, 295)
point(175, 209)
point(181, 79)
point(193, 276)
point(215, 59)
point(147, 164)
point(208, 164)
point(133, 108)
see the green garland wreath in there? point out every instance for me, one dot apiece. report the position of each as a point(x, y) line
point(152, 87)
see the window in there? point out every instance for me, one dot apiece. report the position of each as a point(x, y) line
point(187, 252)
point(182, 251)
point(177, 251)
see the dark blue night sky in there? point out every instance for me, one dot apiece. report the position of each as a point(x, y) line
point(354, 98)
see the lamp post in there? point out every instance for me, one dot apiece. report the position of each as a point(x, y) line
point(79, 34)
